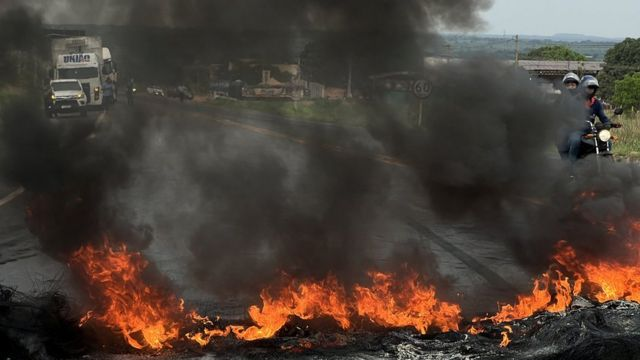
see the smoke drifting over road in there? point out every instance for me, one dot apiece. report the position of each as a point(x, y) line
point(68, 175)
point(484, 153)
point(487, 154)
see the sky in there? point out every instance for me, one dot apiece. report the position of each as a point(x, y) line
point(612, 18)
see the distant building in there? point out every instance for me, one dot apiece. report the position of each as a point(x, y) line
point(555, 70)
point(552, 71)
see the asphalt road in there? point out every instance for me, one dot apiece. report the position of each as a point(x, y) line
point(465, 254)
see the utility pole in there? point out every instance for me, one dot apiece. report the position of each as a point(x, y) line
point(449, 52)
point(349, 94)
point(517, 50)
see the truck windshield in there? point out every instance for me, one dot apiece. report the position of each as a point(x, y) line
point(78, 73)
point(107, 68)
point(66, 86)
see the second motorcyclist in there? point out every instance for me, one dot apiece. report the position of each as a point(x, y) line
point(594, 110)
point(131, 89)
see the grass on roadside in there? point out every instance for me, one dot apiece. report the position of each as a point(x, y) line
point(342, 112)
point(356, 113)
point(628, 143)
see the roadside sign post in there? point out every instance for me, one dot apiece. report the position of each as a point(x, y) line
point(422, 90)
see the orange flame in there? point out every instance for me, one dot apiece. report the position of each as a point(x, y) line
point(148, 317)
point(614, 281)
point(307, 300)
point(388, 302)
point(393, 303)
point(204, 337)
point(475, 330)
point(541, 299)
point(144, 315)
point(609, 280)
point(505, 336)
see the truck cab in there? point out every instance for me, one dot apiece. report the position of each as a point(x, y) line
point(83, 67)
point(67, 96)
point(80, 58)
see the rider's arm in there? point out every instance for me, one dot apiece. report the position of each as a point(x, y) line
point(598, 110)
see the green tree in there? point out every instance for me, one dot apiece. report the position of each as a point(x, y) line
point(627, 91)
point(555, 52)
point(621, 60)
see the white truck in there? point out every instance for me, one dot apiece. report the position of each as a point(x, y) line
point(82, 58)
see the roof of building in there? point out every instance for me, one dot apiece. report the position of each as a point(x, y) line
point(547, 65)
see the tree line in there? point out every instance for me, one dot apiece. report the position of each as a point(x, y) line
point(620, 78)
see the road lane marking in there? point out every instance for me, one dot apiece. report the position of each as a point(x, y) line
point(7, 199)
point(489, 275)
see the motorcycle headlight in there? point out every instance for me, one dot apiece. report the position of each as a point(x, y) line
point(604, 135)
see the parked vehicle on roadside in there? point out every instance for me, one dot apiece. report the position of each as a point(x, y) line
point(182, 92)
point(155, 90)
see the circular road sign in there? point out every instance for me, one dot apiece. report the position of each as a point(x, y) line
point(422, 88)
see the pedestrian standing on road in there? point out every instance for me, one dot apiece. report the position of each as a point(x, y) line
point(107, 93)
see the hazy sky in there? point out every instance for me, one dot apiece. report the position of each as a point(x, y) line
point(611, 18)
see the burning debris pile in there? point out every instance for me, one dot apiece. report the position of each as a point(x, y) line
point(149, 317)
point(129, 305)
point(539, 326)
point(39, 326)
point(554, 321)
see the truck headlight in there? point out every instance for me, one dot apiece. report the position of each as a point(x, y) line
point(79, 96)
point(604, 135)
point(53, 97)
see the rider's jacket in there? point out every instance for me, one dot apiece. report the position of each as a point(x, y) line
point(595, 109)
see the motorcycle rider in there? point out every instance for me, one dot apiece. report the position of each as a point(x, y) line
point(571, 81)
point(569, 103)
point(588, 88)
point(130, 90)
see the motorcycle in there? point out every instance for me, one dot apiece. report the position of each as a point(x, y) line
point(130, 92)
point(599, 138)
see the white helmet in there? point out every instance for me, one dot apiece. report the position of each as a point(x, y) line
point(588, 81)
point(571, 77)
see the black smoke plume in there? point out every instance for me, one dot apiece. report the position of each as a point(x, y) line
point(485, 153)
point(67, 170)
